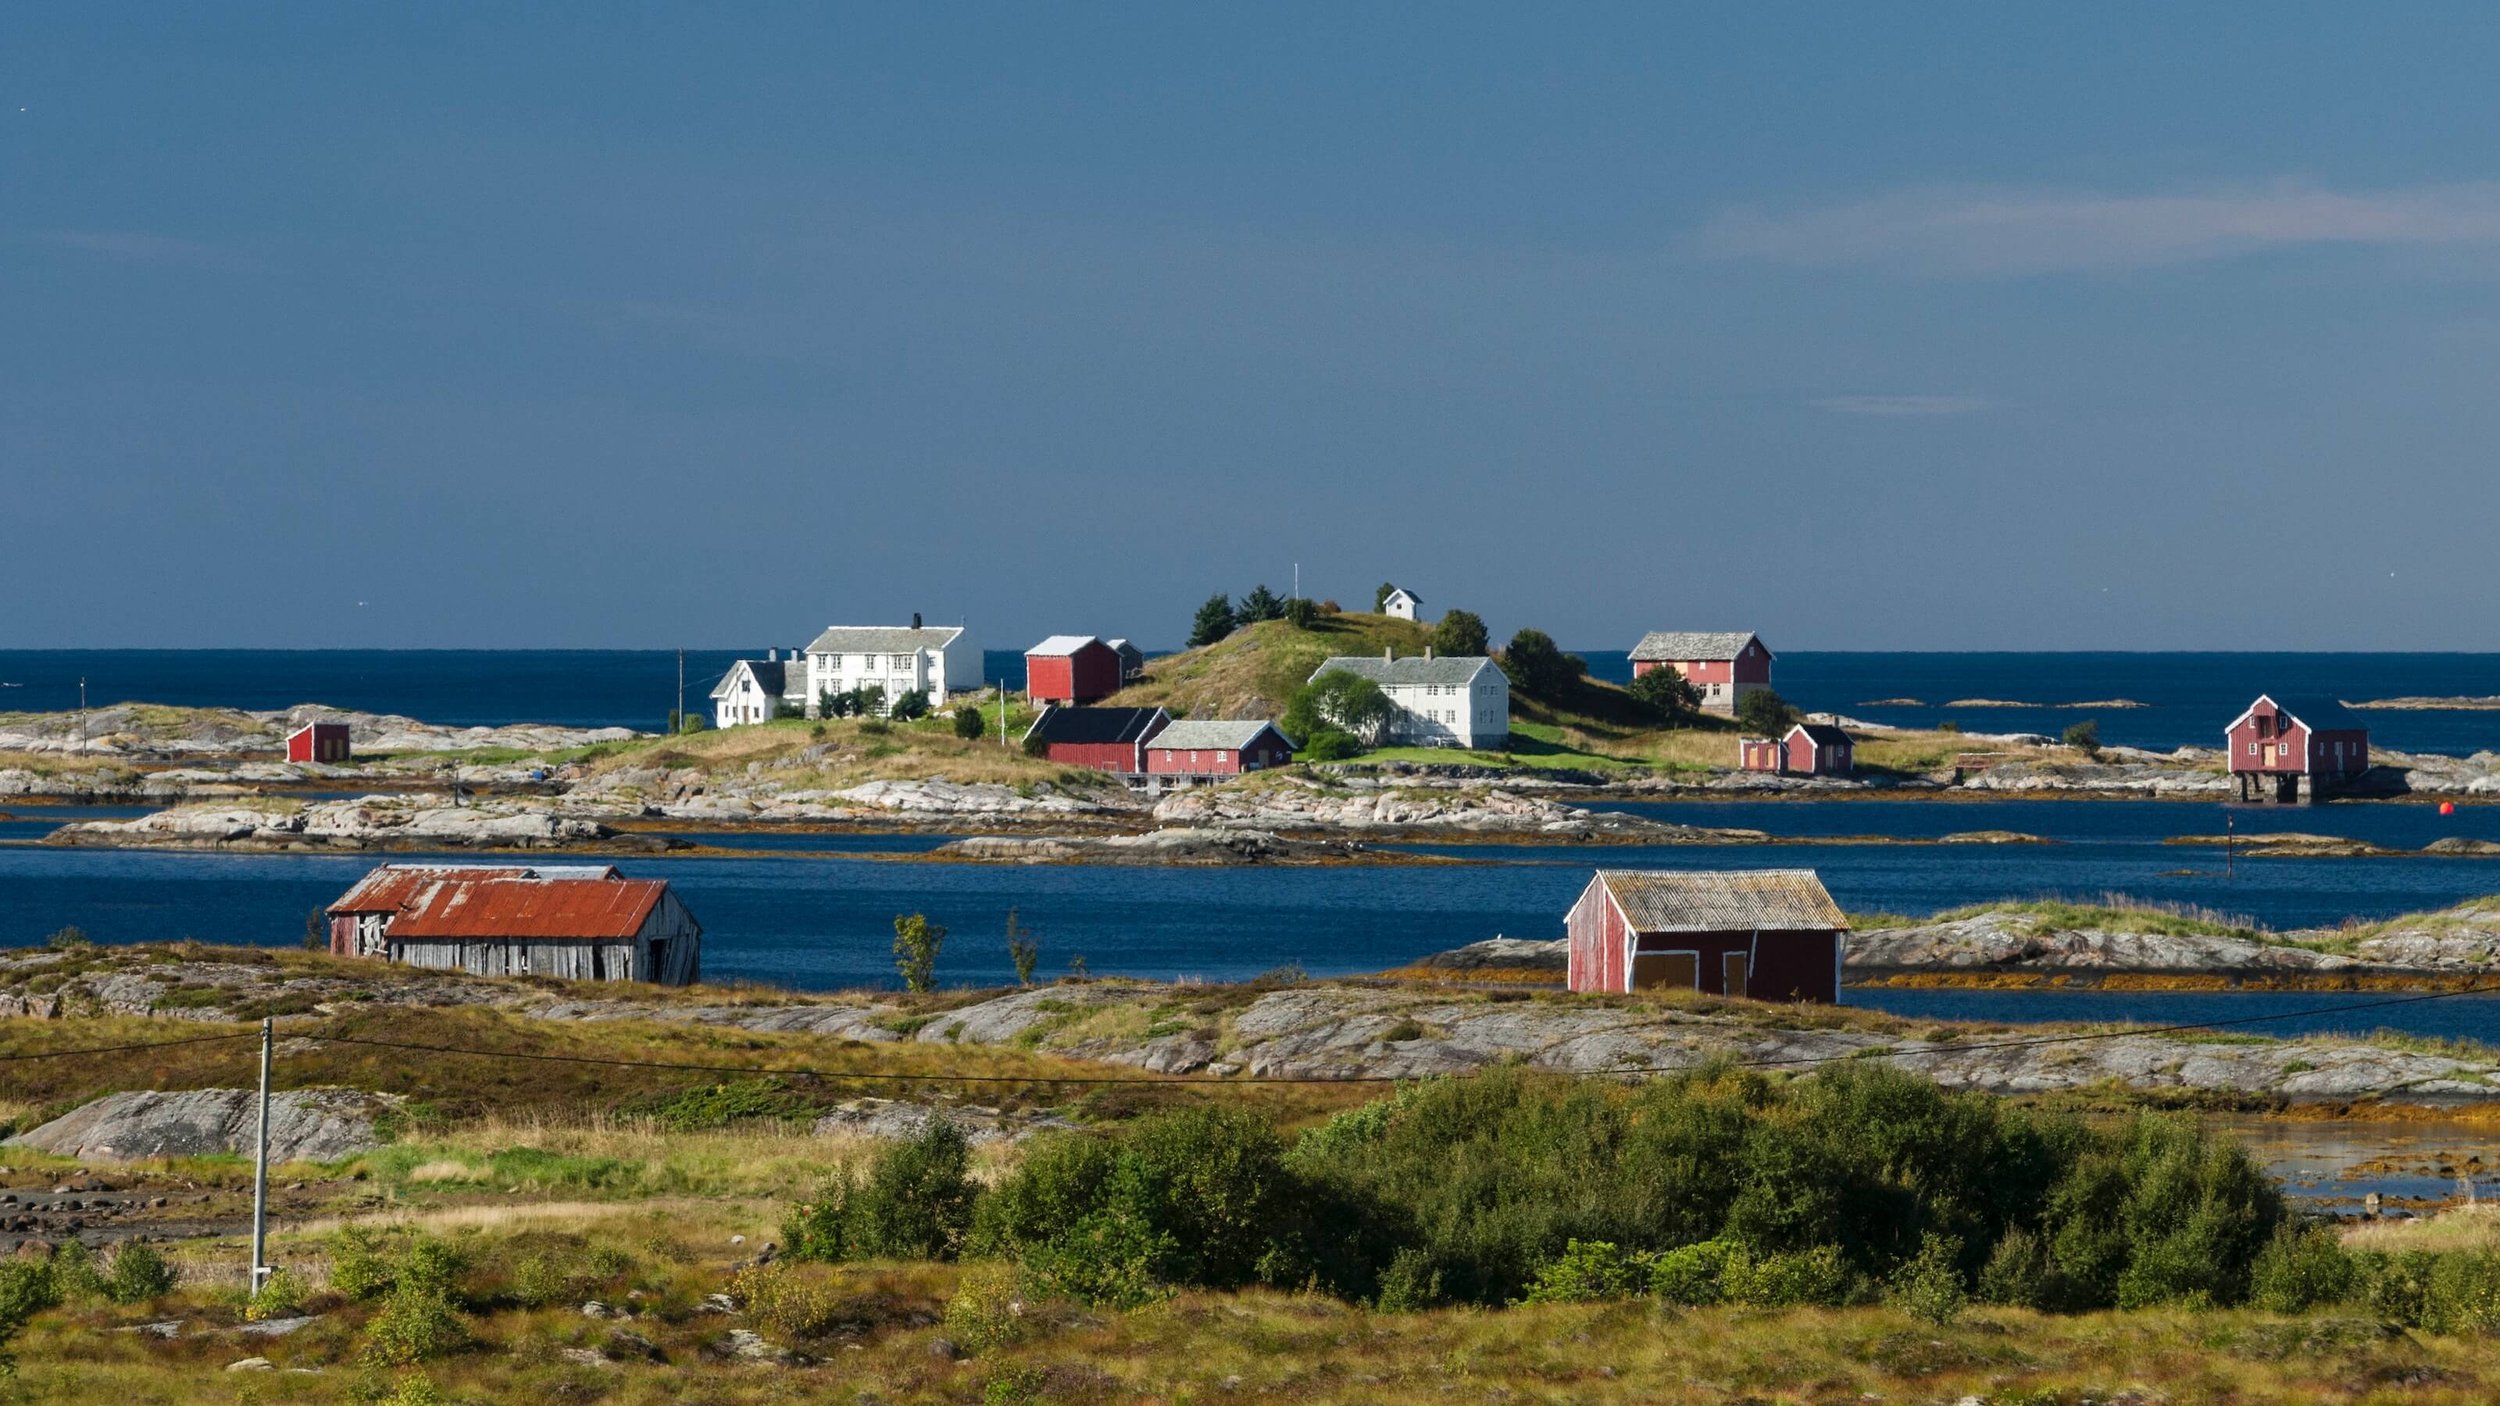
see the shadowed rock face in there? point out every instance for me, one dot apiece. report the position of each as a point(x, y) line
point(305, 1125)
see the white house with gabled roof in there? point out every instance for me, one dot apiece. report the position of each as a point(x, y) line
point(1401, 604)
point(1451, 701)
point(939, 660)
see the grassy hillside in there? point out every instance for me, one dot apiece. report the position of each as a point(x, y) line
point(1251, 672)
point(839, 752)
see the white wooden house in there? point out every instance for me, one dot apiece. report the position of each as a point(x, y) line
point(939, 660)
point(1452, 701)
point(755, 690)
point(1402, 604)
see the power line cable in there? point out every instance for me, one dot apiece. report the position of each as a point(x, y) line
point(125, 1049)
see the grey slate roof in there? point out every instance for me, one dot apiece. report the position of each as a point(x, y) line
point(768, 676)
point(1208, 735)
point(1735, 900)
point(1415, 669)
point(1691, 644)
point(882, 639)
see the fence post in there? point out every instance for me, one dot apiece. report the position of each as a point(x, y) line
point(260, 1167)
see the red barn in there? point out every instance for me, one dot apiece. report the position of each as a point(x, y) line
point(1724, 665)
point(1211, 751)
point(1769, 934)
point(318, 742)
point(583, 922)
point(1074, 669)
point(2273, 746)
point(1106, 739)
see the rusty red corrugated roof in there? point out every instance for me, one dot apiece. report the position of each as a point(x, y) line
point(390, 887)
point(467, 907)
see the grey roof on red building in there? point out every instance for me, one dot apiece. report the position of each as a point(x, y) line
point(1734, 900)
point(1212, 735)
point(1668, 645)
point(1823, 734)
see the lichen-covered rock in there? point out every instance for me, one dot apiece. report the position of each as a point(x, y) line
point(1295, 804)
point(305, 1125)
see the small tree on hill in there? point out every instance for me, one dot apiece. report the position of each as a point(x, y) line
point(1461, 633)
point(1022, 949)
point(833, 705)
point(911, 707)
point(1260, 604)
point(968, 724)
point(1536, 666)
point(2085, 737)
point(1341, 702)
point(1667, 693)
point(1215, 621)
point(1765, 714)
point(1380, 598)
point(917, 942)
point(1301, 613)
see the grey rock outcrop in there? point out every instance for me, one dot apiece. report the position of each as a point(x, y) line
point(315, 1125)
point(1364, 805)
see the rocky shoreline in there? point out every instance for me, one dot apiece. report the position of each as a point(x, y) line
point(1302, 1030)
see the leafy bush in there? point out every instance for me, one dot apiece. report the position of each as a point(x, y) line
point(1590, 1271)
point(911, 706)
point(537, 1281)
point(281, 1295)
point(139, 1274)
point(1302, 613)
point(1692, 1274)
point(415, 1324)
point(357, 1268)
point(1929, 1286)
point(2464, 1293)
point(968, 724)
point(2302, 1267)
point(916, 1202)
point(727, 1102)
point(2085, 737)
point(987, 1310)
point(1666, 693)
point(1537, 667)
point(1816, 1276)
point(787, 1302)
point(1328, 744)
point(75, 1276)
point(1110, 1258)
point(64, 939)
point(1339, 701)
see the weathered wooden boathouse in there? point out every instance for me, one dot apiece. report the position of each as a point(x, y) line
point(579, 922)
point(1770, 934)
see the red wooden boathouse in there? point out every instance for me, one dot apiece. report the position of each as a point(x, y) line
point(1808, 749)
point(1206, 750)
point(2274, 747)
point(1770, 934)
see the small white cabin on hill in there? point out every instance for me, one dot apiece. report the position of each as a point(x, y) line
point(1402, 604)
point(755, 691)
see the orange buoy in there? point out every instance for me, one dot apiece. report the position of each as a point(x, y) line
point(2447, 807)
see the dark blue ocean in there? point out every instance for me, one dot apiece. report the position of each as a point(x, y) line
point(2188, 698)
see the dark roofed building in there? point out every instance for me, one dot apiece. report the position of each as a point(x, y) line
point(1106, 739)
point(1808, 749)
point(1770, 934)
point(581, 922)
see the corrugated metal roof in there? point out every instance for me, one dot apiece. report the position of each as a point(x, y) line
point(1416, 669)
point(391, 887)
point(1209, 735)
point(1058, 645)
point(1691, 644)
point(882, 639)
point(1732, 900)
point(529, 907)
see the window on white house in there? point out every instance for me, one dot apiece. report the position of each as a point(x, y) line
point(831, 661)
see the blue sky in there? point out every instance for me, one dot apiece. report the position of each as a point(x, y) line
point(1975, 326)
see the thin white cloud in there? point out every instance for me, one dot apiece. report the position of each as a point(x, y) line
point(131, 246)
point(1998, 233)
point(1900, 405)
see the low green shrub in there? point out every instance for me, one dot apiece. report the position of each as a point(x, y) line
point(916, 1201)
point(1929, 1286)
point(1591, 1271)
point(357, 1267)
point(1788, 1280)
point(139, 1274)
point(2302, 1267)
point(788, 1302)
point(281, 1295)
point(1692, 1275)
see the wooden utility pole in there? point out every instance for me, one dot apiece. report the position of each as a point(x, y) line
point(260, 1167)
point(82, 714)
point(677, 720)
point(2230, 843)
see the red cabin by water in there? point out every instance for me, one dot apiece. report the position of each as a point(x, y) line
point(1770, 934)
point(2274, 746)
point(1808, 749)
point(1207, 750)
point(1072, 669)
point(1106, 739)
point(1724, 665)
point(318, 742)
